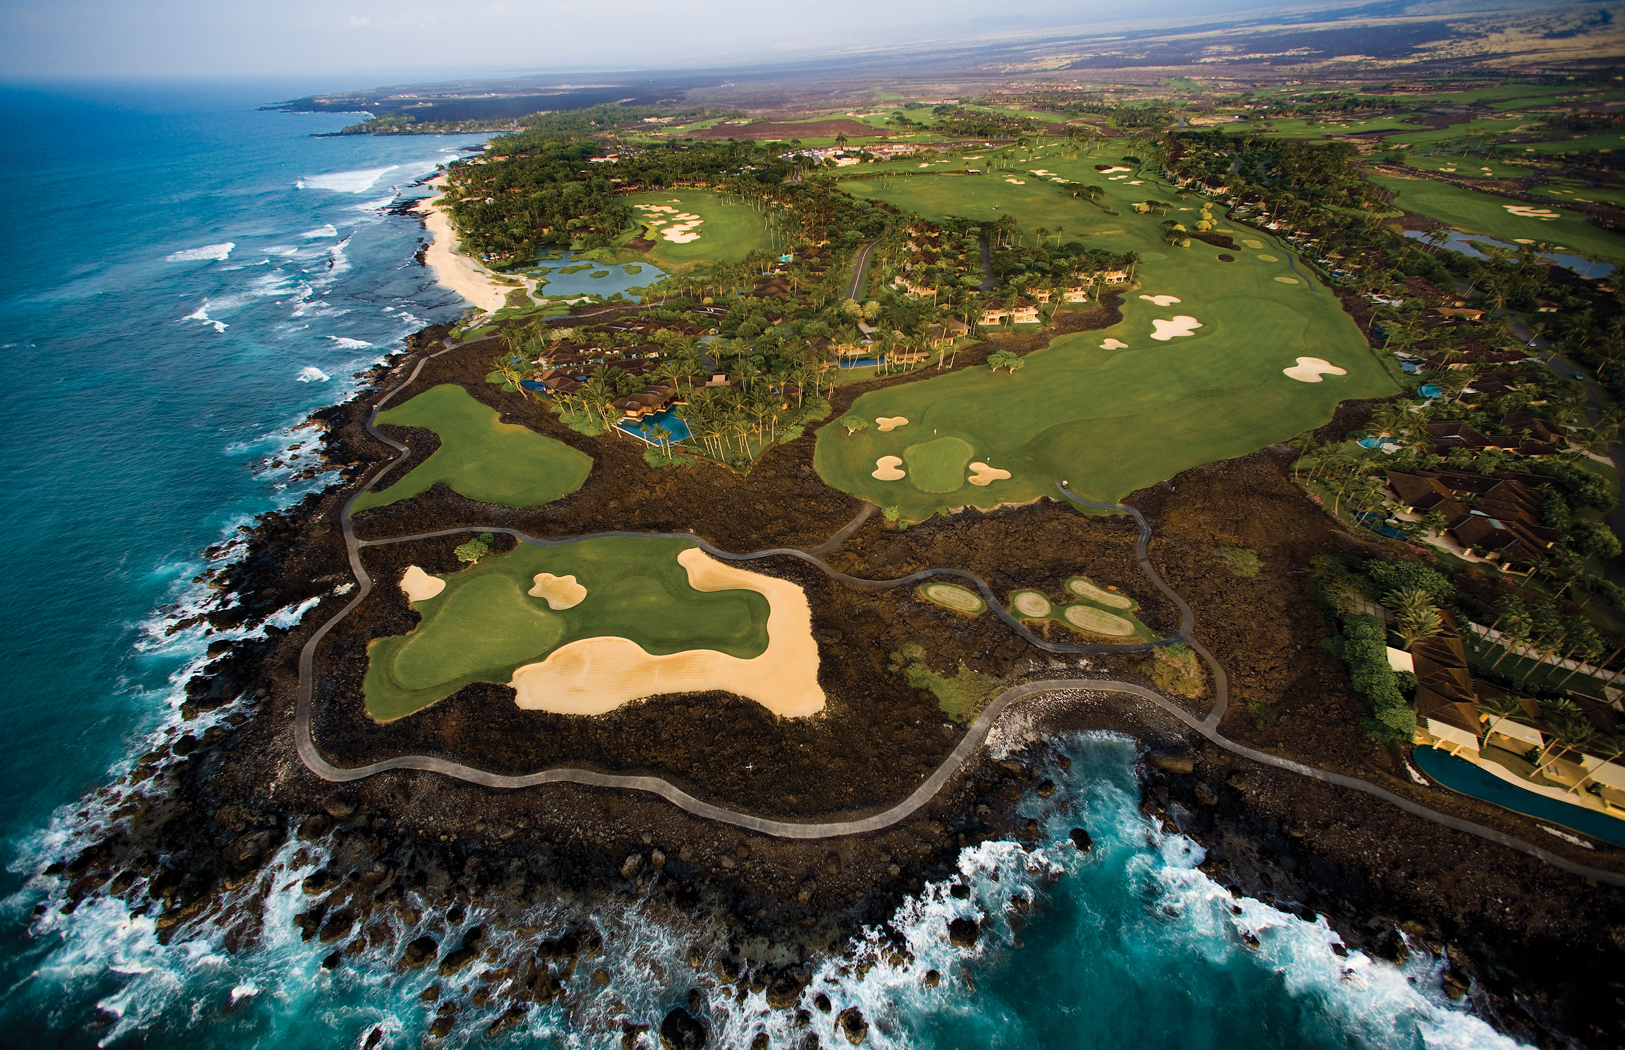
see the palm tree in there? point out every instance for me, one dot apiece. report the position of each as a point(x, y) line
point(1608, 748)
point(1500, 706)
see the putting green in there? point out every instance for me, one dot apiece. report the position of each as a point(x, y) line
point(939, 465)
point(480, 456)
point(726, 232)
point(955, 597)
point(1113, 421)
point(1095, 611)
point(1485, 213)
point(484, 625)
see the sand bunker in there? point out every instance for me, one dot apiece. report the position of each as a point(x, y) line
point(1523, 240)
point(1114, 344)
point(1161, 300)
point(985, 475)
point(960, 599)
point(595, 675)
point(419, 586)
point(1018, 182)
point(1108, 171)
point(1286, 280)
point(1174, 327)
point(1097, 622)
point(1085, 589)
point(1528, 211)
point(561, 592)
point(886, 469)
point(1252, 243)
point(1031, 604)
point(887, 424)
point(1310, 369)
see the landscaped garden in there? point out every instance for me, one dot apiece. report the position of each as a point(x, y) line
point(480, 456)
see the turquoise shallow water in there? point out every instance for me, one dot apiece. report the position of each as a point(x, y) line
point(152, 375)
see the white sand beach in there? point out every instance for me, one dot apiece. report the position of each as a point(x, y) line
point(456, 271)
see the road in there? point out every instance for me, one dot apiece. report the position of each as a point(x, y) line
point(1206, 725)
point(858, 269)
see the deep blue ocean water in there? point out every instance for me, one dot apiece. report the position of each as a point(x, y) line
point(189, 278)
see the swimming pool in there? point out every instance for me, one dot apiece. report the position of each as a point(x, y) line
point(667, 418)
point(1431, 390)
point(1460, 775)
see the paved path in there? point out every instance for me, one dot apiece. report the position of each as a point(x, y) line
point(1206, 725)
point(859, 268)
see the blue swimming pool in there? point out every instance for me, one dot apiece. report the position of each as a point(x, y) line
point(1372, 442)
point(1431, 390)
point(644, 428)
point(1458, 774)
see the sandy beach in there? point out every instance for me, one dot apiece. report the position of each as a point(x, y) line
point(456, 271)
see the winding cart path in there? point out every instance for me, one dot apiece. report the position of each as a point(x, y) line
point(1206, 725)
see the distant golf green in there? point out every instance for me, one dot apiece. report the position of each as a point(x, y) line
point(1111, 421)
point(1475, 212)
point(727, 232)
point(479, 456)
point(485, 625)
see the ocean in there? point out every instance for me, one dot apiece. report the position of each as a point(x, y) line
point(190, 278)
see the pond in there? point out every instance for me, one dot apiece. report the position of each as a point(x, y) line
point(618, 277)
point(1463, 243)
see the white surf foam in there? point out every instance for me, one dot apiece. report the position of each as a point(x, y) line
point(202, 314)
point(217, 252)
point(312, 374)
point(350, 344)
point(321, 231)
point(345, 181)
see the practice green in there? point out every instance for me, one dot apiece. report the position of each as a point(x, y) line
point(485, 625)
point(480, 456)
point(938, 466)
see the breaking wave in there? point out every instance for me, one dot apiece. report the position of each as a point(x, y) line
point(312, 374)
point(217, 252)
point(345, 181)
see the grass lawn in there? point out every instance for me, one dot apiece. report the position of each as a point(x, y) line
point(479, 456)
point(1611, 140)
point(1567, 193)
point(1109, 422)
point(729, 231)
point(1470, 167)
point(485, 625)
point(1315, 129)
point(1485, 213)
point(1487, 128)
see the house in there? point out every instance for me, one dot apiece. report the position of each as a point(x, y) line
point(1495, 518)
point(1114, 277)
point(1024, 312)
point(941, 335)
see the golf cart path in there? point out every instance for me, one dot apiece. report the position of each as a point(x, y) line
point(1206, 725)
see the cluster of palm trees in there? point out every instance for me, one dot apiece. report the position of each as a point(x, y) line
point(1563, 725)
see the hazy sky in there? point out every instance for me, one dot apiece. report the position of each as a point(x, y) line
point(354, 43)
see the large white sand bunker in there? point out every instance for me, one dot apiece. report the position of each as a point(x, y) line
point(1527, 211)
point(561, 592)
point(1114, 344)
point(419, 586)
point(886, 469)
point(1174, 327)
point(1031, 604)
point(1108, 171)
point(1085, 589)
point(984, 475)
point(887, 424)
point(595, 675)
point(1096, 621)
point(1161, 300)
point(1269, 258)
point(1018, 182)
point(1286, 280)
point(1252, 243)
point(1310, 369)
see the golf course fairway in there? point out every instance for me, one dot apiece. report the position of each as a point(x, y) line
point(493, 619)
point(1110, 421)
point(479, 456)
point(1503, 217)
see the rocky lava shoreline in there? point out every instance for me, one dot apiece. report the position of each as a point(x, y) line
point(205, 829)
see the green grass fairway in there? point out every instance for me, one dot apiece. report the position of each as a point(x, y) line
point(938, 465)
point(1611, 141)
point(1469, 167)
point(1111, 422)
point(485, 625)
point(479, 456)
point(730, 231)
point(1574, 193)
point(1315, 129)
point(1486, 128)
point(1484, 213)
